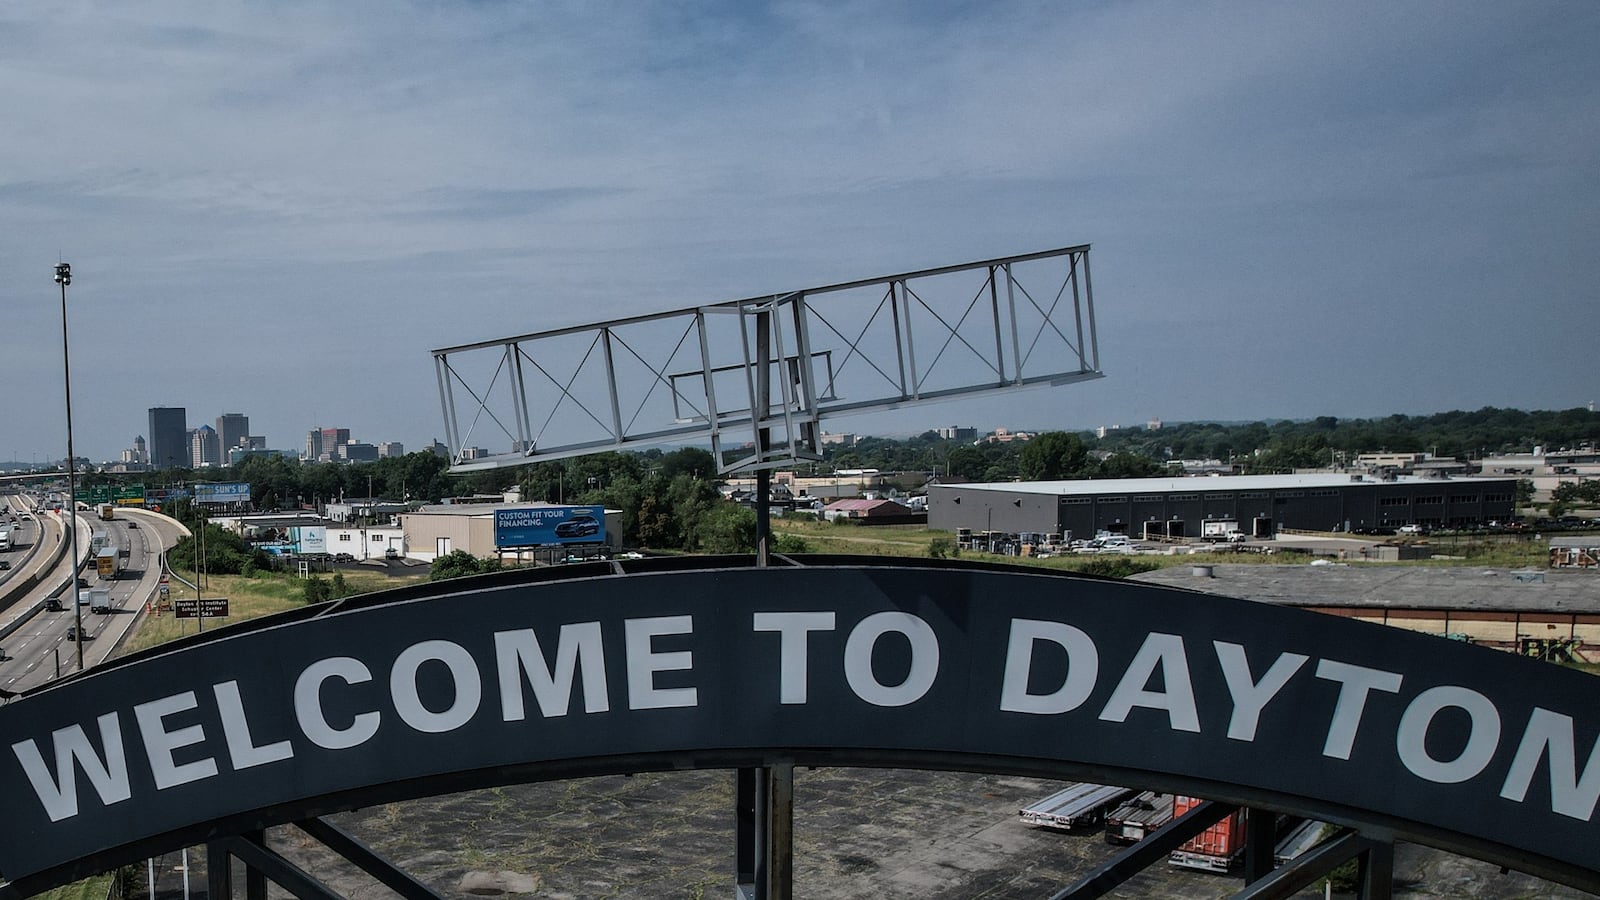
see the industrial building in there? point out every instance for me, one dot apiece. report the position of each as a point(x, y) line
point(1258, 505)
point(437, 530)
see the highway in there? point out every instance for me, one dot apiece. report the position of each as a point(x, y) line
point(35, 639)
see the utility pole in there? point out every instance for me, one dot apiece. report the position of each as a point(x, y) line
point(64, 278)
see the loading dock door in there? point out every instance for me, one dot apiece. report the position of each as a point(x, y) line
point(1261, 528)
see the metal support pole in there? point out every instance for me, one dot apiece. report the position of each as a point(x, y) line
point(255, 880)
point(744, 831)
point(1260, 844)
point(764, 798)
point(64, 278)
point(780, 832)
point(1375, 871)
point(219, 872)
point(762, 409)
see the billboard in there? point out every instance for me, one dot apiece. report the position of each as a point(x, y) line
point(312, 538)
point(222, 492)
point(534, 526)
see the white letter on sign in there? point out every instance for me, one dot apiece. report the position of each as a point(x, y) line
point(159, 742)
point(1249, 695)
point(308, 704)
point(792, 628)
point(1083, 667)
point(463, 672)
point(1571, 794)
point(924, 659)
point(1482, 739)
point(579, 649)
point(1356, 682)
point(1177, 692)
point(59, 796)
point(644, 663)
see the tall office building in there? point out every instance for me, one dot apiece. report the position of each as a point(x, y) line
point(313, 445)
point(204, 449)
point(333, 438)
point(230, 428)
point(168, 430)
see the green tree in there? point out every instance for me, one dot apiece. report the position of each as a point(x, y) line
point(1128, 465)
point(726, 528)
point(1052, 456)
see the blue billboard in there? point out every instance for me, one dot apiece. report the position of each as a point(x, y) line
point(532, 526)
point(222, 492)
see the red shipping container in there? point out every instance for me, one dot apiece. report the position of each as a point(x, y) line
point(1213, 848)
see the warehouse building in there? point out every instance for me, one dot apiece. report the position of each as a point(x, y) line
point(1257, 505)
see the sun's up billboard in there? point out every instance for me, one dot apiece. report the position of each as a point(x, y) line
point(534, 526)
point(222, 492)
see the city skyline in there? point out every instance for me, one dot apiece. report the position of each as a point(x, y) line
point(1316, 209)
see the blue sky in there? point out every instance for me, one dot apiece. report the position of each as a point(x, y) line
point(1350, 209)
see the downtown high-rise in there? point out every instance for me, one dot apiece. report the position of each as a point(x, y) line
point(169, 431)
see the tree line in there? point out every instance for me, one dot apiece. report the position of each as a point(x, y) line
point(669, 498)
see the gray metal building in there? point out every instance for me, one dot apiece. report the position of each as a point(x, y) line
point(1259, 504)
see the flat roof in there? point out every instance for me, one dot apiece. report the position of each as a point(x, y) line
point(1198, 483)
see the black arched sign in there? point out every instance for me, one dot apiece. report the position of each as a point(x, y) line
point(1452, 745)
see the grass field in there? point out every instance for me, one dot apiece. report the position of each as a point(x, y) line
point(252, 598)
point(94, 888)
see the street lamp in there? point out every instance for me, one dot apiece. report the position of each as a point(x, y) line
point(64, 278)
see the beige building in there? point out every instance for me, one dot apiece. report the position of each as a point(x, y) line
point(439, 530)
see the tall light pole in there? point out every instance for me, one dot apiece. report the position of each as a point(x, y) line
point(64, 278)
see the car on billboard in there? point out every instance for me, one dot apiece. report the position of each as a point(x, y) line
point(578, 526)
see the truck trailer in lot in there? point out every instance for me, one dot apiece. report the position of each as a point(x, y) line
point(1298, 840)
point(1135, 819)
point(1079, 805)
point(1212, 850)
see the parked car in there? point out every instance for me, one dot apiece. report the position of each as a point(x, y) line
point(391, 553)
point(344, 557)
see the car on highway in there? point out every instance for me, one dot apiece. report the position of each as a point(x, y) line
point(83, 582)
point(578, 526)
point(4, 564)
point(72, 632)
point(133, 524)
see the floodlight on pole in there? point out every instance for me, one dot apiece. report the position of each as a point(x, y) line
point(64, 278)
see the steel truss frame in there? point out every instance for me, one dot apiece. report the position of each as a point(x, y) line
point(758, 377)
point(1264, 880)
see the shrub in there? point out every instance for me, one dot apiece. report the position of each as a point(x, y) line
point(315, 590)
point(790, 543)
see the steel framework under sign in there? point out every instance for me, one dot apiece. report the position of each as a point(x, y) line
point(757, 377)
